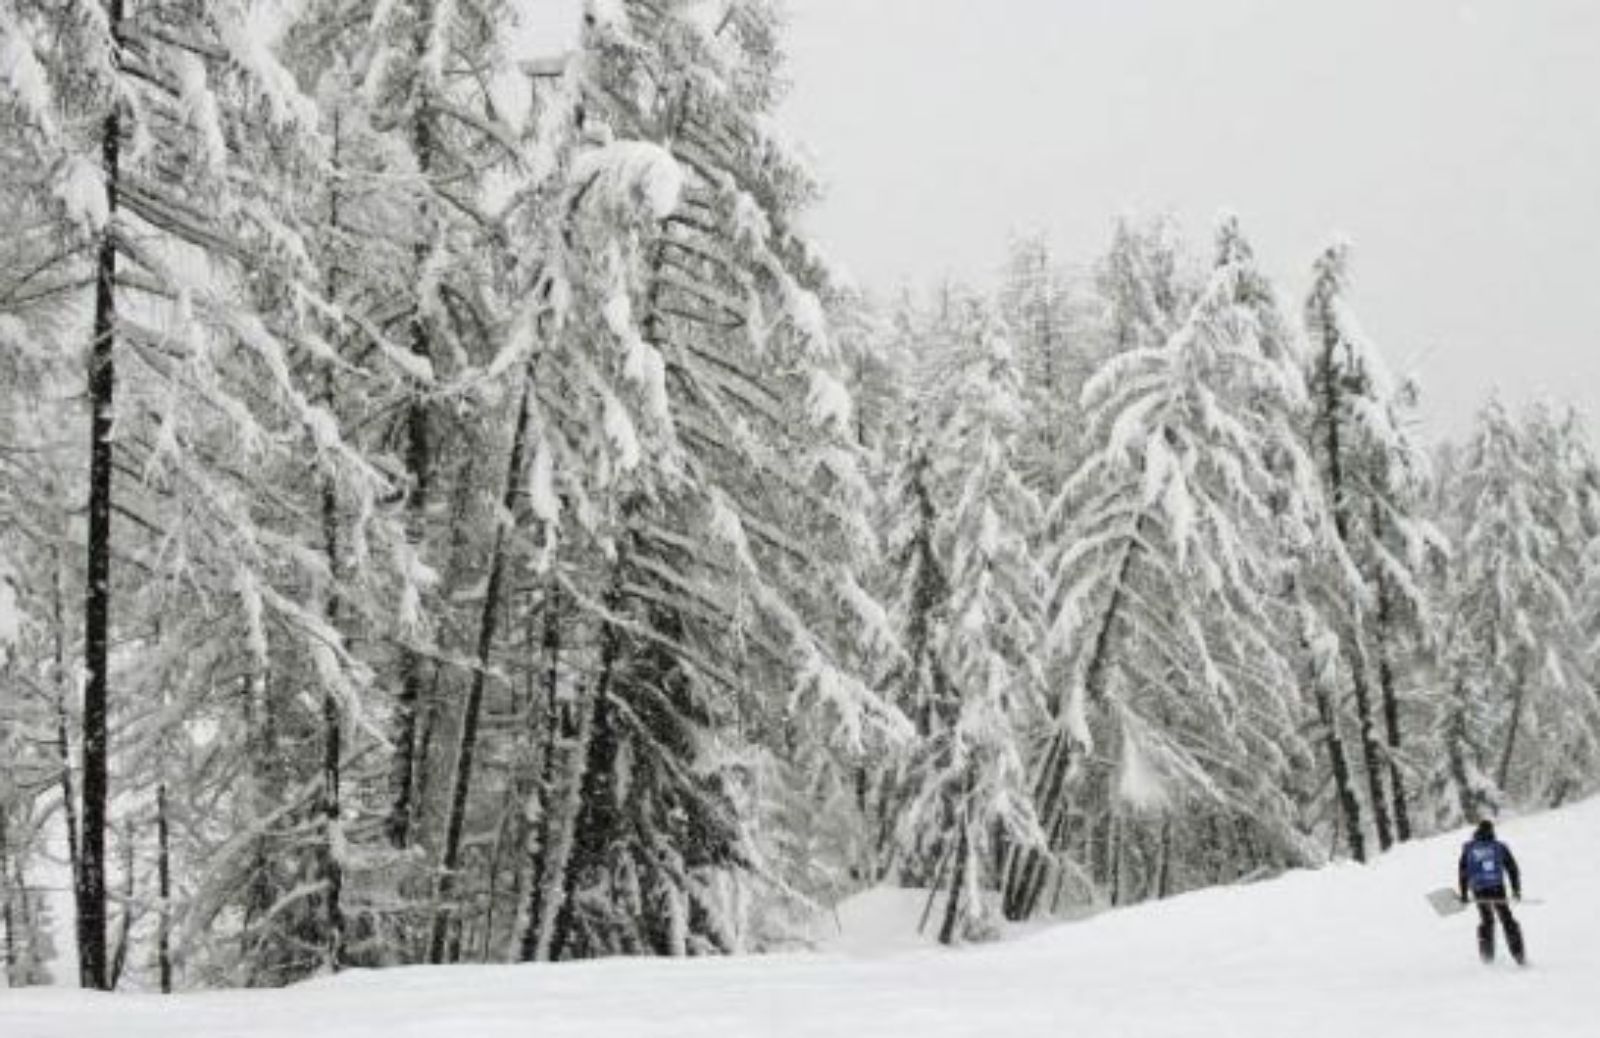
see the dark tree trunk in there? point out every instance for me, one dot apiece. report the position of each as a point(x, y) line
point(419, 461)
point(1467, 796)
point(1116, 837)
point(595, 822)
point(263, 888)
point(1026, 873)
point(164, 881)
point(958, 881)
point(332, 752)
point(1391, 709)
point(1519, 697)
point(597, 817)
point(1334, 746)
point(467, 746)
point(1371, 754)
point(1164, 871)
point(7, 896)
point(558, 730)
point(331, 867)
point(91, 880)
point(403, 779)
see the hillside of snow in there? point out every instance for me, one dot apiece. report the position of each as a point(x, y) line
point(1344, 951)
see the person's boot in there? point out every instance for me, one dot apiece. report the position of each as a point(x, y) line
point(1486, 943)
point(1514, 942)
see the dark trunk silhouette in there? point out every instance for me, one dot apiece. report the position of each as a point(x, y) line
point(91, 879)
point(466, 746)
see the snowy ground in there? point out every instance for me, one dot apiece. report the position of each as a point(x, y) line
point(1342, 952)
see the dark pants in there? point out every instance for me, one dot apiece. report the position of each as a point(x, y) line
point(1492, 902)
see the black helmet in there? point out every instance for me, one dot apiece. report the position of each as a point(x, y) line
point(1485, 830)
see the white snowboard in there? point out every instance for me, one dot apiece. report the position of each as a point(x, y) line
point(1446, 901)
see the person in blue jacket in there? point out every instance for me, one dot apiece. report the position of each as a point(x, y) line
point(1486, 870)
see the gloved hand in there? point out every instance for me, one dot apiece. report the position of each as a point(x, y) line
point(1516, 895)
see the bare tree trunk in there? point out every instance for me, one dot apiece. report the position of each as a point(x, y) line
point(119, 957)
point(561, 836)
point(1467, 796)
point(556, 804)
point(958, 882)
point(403, 781)
point(91, 880)
point(1118, 838)
point(263, 889)
point(1371, 755)
point(432, 714)
point(1028, 872)
point(1519, 698)
point(528, 790)
point(527, 795)
point(404, 770)
point(1164, 872)
point(7, 895)
point(1391, 709)
point(419, 462)
point(1334, 746)
point(467, 745)
point(332, 867)
point(164, 881)
point(594, 819)
point(332, 751)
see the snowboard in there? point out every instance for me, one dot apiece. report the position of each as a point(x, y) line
point(1446, 902)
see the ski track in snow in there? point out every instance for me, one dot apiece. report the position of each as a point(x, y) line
point(1344, 951)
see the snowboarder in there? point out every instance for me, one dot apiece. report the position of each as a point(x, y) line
point(1486, 866)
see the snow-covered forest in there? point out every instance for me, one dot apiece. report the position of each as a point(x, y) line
point(450, 512)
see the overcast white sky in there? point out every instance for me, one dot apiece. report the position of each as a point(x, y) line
point(1456, 143)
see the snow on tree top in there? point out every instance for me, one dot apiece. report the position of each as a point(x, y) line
point(627, 172)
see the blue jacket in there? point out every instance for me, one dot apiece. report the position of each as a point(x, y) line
point(1488, 865)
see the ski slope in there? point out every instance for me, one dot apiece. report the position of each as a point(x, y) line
point(1344, 951)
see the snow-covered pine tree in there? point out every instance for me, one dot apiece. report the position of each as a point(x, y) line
point(1175, 693)
point(176, 150)
point(28, 772)
point(1376, 479)
point(972, 613)
point(1055, 342)
point(428, 77)
point(1306, 538)
point(716, 564)
point(1522, 723)
point(434, 240)
point(920, 612)
point(36, 779)
point(1144, 284)
point(103, 98)
point(25, 944)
